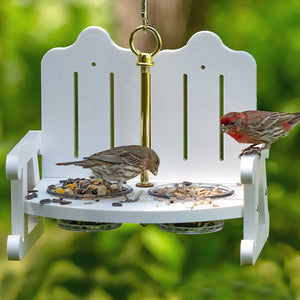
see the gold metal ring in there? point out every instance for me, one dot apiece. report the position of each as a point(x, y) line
point(156, 34)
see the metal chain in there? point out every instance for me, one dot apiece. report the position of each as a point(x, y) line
point(144, 13)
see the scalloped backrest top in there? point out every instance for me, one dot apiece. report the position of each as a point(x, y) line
point(91, 101)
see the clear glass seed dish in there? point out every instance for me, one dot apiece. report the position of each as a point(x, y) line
point(188, 191)
point(86, 189)
point(86, 226)
point(193, 228)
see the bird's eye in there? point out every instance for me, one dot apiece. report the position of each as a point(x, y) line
point(232, 123)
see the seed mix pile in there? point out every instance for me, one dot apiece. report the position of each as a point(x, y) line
point(83, 188)
point(188, 192)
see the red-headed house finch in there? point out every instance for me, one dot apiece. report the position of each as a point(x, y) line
point(258, 127)
point(120, 163)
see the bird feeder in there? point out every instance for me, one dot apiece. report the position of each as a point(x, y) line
point(96, 95)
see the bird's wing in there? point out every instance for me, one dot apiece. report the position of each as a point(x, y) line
point(106, 156)
point(116, 156)
point(278, 119)
point(275, 119)
point(130, 158)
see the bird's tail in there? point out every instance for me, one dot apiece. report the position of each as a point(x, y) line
point(79, 162)
point(82, 163)
point(296, 120)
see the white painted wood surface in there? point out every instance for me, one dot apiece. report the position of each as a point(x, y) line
point(147, 210)
point(94, 45)
point(239, 70)
point(94, 56)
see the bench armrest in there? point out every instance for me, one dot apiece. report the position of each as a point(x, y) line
point(28, 147)
point(23, 171)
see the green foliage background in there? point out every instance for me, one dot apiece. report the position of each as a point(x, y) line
point(146, 263)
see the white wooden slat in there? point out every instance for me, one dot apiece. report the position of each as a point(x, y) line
point(239, 94)
point(127, 99)
point(57, 111)
point(93, 112)
point(167, 115)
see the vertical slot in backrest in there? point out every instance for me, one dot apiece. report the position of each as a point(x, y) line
point(221, 113)
point(112, 109)
point(185, 117)
point(76, 115)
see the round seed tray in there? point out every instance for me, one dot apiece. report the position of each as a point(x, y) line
point(81, 188)
point(190, 191)
point(86, 226)
point(193, 228)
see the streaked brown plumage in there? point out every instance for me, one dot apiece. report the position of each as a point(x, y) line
point(258, 127)
point(120, 163)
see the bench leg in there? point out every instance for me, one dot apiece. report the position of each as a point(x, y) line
point(256, 214)
point(26, 229)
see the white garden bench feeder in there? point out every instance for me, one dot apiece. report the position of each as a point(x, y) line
point(91, 101)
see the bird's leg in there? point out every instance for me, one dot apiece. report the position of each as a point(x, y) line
point(106, 183)
point(266, 146)
point(252, 149)
point(125, 196)
point(120, 185)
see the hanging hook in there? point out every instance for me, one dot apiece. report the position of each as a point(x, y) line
point(145, 59)
point(158, 41)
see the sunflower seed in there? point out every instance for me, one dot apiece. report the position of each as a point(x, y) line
point(65, 202)
point(187, 183)
point(31, 196)
point(56, 200)
point(45, 201)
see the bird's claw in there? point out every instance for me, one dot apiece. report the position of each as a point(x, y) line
point(250, 151)
point(127, 199)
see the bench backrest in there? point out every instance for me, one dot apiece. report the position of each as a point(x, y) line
point(91, 101)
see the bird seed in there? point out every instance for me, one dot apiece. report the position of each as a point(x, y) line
point(188, 191)
point(83, 188)
point(65, 202)
point(31, 195)
point(56, 200)
point(45, 201)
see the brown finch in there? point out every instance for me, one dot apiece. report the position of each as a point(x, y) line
point(120, 163)
point(258, 127)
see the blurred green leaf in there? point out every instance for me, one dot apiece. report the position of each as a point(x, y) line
point(165, 247)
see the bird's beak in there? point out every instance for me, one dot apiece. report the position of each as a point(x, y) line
point(223, 129)
point(154, 172)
